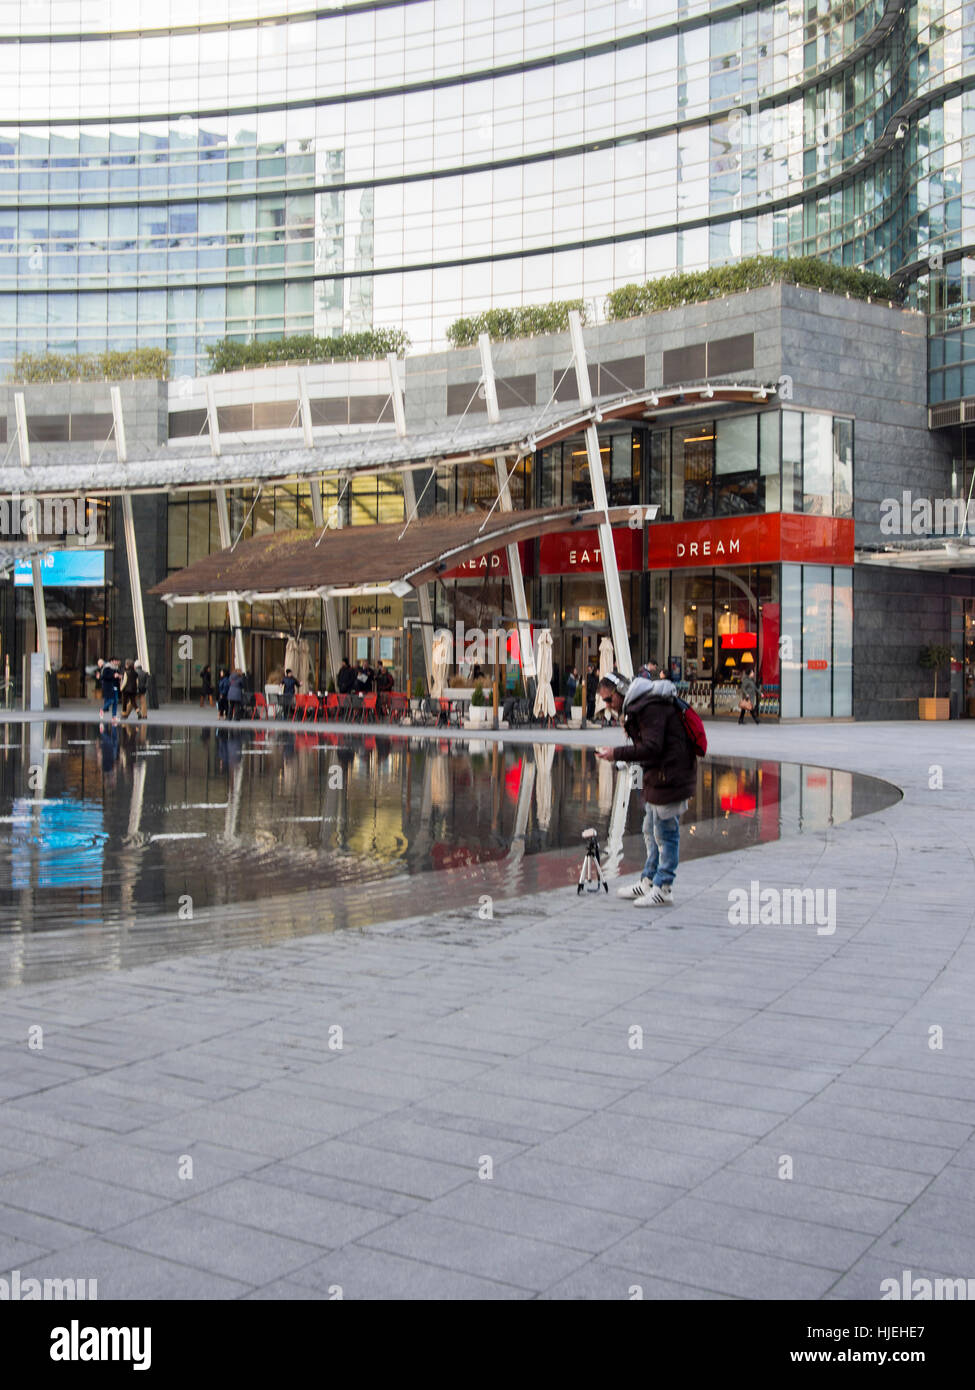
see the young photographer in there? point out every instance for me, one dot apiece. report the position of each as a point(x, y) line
point(660, 744)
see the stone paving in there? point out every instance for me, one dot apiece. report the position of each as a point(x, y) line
point(789, 1123)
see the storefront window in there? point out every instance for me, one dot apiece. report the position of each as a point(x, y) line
point(692, 470)
point(817, 464)
point(791, 461)
point(842, 467)
point(790, 641)
point(768, 453)
point(842, 643)
point(817, 641)
point(736, 465)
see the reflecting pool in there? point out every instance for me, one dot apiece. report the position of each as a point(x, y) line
point(127, 845)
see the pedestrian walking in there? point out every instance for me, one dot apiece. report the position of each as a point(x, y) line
point(206, 692)
point(592, 684)
point(659, 742)
point(110, 688)
point(223, 685)
point(142, 690)
point(750, 695)
point(128, 689)
point(289, 689)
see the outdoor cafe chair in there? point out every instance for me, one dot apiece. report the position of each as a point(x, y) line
point(368, 710)
point(331, 709)
point(398, 705)
point(260, 706)
point(311, 707)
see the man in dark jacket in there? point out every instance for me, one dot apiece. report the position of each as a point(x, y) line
point(363, 679)
point(592, 681)
point(659, 743)
point(346, 678)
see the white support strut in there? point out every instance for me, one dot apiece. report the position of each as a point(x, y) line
point(223, 520)
point(611, 573)
point(131, 548)
point(34, 530)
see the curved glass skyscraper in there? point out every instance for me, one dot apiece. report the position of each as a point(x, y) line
point(176, 171)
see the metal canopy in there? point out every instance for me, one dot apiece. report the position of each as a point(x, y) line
point(364, 559)
point(180, 466)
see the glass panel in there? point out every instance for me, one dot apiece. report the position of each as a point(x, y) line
point(692, 470)
point(842, 643)
point(790, 641)
point(791, 461)
point(842, 467)
point(768, 454)
point(660, 472)
point(817, 463)
point(817, 641)
point(736, 464)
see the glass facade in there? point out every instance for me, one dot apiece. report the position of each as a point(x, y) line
point(172, 173)
point(771, 461)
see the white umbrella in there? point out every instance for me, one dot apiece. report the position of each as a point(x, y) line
point(605, 668)
point(544, 757)
point(544, 699)
point(441, 660)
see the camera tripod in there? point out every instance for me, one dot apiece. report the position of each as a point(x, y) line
point(591, 873)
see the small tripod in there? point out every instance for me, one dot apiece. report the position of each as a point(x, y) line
point(591, 873)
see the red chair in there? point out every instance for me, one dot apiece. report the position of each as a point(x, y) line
point(260, 706)
point(331, 707)
point(368, 710)
point(311, 707)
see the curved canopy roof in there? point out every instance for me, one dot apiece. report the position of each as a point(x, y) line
point(356, 559)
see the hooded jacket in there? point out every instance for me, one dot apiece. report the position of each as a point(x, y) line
point(658, 742)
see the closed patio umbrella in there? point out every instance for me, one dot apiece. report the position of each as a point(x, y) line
point(606, 659)
point(441, 661)
point(544, 707)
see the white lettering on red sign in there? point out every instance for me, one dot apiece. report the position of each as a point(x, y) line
point(581, 557)
point(703, 548)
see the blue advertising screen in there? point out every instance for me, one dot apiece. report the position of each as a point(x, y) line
point(65, 569)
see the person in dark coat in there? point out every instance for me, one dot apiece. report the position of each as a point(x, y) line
point(363, 679)
point(129, 688)
point(235, 693)
point(592, 683)
point(223, 685)
point(659, 742)
point(346, 678)
point(110, 688)
point(142, 691)
point(206, 693)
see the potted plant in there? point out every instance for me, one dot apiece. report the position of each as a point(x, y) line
point(477, 707)
point(933, 658)
point(575, 713)
point(418, 693)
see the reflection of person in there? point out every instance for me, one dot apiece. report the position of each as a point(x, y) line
point(659, 743)
point(748, 703)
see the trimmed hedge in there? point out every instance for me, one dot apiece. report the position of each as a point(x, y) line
point(693, 286)
point(501, 324)
point(147, 363)
point(371, 344)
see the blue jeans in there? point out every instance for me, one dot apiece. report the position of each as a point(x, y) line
point(110, 703)
point(662, 836)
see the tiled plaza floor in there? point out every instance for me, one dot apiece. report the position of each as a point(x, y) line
point(572, 1099)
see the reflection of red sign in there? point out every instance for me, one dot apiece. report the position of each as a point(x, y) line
point(752, 540)
point(740, 641)
point(578, 552)
point(816, 665)
point(741, 805)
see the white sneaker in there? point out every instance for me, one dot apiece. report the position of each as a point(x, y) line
point(640, 889)
point(659, 895)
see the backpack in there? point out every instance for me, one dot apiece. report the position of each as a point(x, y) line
point(693, 726)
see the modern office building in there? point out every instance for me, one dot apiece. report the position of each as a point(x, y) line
point(172, 174)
